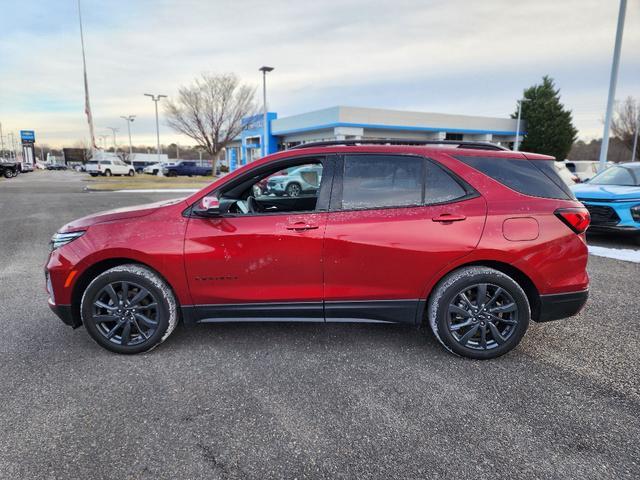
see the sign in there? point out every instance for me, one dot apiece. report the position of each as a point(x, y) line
point(27, 136)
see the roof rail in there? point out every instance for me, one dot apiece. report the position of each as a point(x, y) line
point(458, 143)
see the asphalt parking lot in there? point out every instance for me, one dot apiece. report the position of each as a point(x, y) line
point(303, 401)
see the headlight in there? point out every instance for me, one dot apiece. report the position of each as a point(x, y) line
point(61, 239)
point(635, 213)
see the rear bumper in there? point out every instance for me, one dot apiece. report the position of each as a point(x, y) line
point(561, 305)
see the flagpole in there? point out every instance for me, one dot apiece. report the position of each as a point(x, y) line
point(87, 103)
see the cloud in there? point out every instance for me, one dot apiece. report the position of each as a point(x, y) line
point(448, 56)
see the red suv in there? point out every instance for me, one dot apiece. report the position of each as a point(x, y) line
point(469, 238)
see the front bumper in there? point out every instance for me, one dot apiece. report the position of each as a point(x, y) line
point(561, 305)
point(65, 314)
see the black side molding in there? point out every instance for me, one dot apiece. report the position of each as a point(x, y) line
point(561, 305)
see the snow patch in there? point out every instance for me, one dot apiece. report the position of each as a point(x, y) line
point(624, 254)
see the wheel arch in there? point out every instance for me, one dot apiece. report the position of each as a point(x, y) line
point(521, 278)
point(96, 269)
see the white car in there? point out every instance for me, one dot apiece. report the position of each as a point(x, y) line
point(565, 174)
point(156, 168)
point(109, 167)
point(583, 169)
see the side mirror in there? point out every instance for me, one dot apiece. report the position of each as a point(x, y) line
point(208, 207)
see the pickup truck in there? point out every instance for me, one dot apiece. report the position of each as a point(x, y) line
point(9, 169)
point(108, 168)
point(185, 167)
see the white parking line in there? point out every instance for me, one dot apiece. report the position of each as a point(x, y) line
point(625, 254)
point(158, 190)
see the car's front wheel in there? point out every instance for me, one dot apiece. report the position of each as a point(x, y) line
point(479, 312)
point(129, 309)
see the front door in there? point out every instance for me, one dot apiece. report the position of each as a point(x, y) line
point(262, 260)
point(396, 221)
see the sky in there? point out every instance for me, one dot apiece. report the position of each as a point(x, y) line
point(458, 57)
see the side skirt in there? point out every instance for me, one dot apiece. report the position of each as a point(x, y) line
point(366, 311)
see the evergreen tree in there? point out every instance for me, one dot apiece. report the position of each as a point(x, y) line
point(549, 126)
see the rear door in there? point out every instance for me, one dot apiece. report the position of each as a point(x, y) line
point(395, 222)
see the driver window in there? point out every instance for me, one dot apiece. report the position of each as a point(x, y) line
point(293, 189)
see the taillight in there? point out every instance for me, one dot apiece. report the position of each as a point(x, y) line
point(577, 219)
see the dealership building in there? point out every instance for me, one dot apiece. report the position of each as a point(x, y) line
point(356, 123)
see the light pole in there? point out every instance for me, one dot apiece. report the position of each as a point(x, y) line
point(156, 99)
point(114, 130)
point(635, 137)
point(265, 144)
point(129, 119)
point(1, 142)
point(604, 149)
point(516, 144)
point(103, 139)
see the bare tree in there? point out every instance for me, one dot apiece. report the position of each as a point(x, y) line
point(210, 111)
point(625, 122)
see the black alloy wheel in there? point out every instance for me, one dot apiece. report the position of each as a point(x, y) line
point(129, 309)
point(125, 313)
point(478, 312)
point(482, 316)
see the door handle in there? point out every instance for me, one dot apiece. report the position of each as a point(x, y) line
point(449, 217)
point(301, 226)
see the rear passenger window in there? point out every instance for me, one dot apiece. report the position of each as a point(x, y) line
point(375, 181)
point(520, 175)
point(440, 186)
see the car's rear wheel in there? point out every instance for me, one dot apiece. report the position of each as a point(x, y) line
point(131, 173)
point(107, 173)
point(129, 309)
point(479, 312)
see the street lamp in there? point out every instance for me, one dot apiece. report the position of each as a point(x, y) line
point(129, 119)
point(516, 144)
point(265, 144)
point(113, 131)
point(103, 140)
point(635, 137)
point(156, 99)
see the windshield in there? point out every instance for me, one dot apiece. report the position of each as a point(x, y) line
point(617, 175)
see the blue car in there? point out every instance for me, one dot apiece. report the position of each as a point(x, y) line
point(613, 199)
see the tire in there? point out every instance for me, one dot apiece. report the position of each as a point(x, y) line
point(107, 173)
point(93, 174)
point(172, 174)
point(293, 190)
point(7, 174)
point(146, 330)
point(461, 331)
point(139, 170)
point(131, 173)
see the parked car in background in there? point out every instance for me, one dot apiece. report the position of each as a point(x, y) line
point(9, 169)
point(296, 182)
point(108, 168)
point(188, 168)
point(154, 168)
point(140, 165)
point(613, 199)
point(26, 167)
point(583, 169)
point(472, 242)
point(565, 174)
point(56, 166)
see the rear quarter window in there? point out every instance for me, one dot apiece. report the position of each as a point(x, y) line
point(536, 178)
